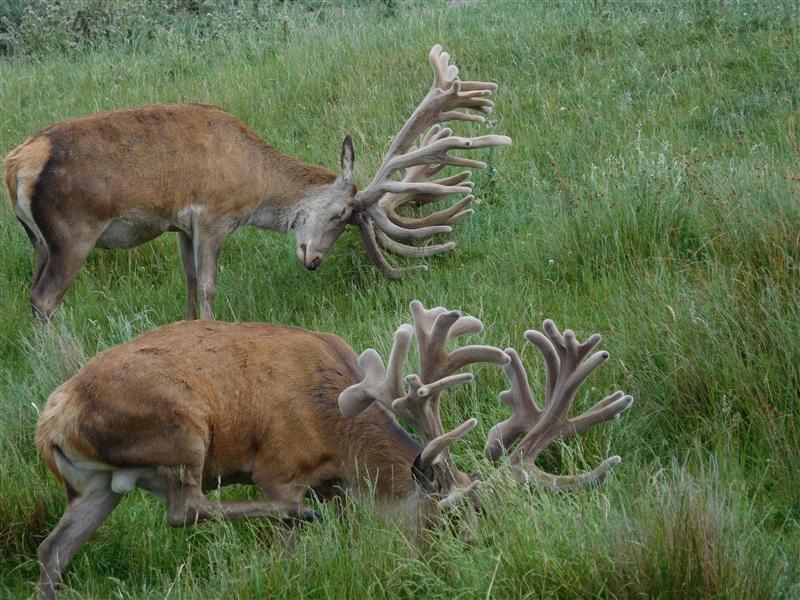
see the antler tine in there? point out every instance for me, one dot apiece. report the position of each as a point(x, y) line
point(379, 384)
point(415, 251)
point(464, 326)
point(367, 228)
point(441, 443)
point(568, 364)
point(607, 409)
point(551, 356)
point(419, 406)
point(524, 410)
point(455, 213)
point(434, 328)
point(564, 483)
point(396, 232)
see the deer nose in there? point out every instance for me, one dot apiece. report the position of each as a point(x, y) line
point(310, 261)
point(314, 263)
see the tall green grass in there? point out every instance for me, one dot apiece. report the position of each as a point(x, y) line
point(651, 194)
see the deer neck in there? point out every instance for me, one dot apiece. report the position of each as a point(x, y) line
point(382, 453)
point(283, 183)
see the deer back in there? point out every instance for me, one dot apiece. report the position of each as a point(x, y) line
point(161, 159)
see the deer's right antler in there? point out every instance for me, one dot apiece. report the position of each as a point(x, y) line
point(568, 363)
point(415, 400)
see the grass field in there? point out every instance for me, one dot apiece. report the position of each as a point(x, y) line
point(652, 194)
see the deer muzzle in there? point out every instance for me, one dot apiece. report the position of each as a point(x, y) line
point(311, 259)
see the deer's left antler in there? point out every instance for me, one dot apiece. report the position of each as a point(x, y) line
point(382, 227)
point(568, 364)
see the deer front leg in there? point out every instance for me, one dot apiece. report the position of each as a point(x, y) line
point(207, 243)
point(186, 246)
point(186, 504)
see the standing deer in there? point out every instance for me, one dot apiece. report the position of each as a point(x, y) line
point(194, 405)
point(121, 178)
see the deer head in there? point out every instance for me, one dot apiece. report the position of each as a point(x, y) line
point(321, 216)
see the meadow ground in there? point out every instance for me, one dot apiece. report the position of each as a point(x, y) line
point(652, 194)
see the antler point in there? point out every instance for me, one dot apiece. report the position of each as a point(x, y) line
point(404, 330)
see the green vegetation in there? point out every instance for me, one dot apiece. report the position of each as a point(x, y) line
point(651, 194)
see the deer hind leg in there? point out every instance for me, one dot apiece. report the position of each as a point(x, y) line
point(87, 509)
point(186, 246)
point(40, 248)
point(67, 253)
point(186, 504)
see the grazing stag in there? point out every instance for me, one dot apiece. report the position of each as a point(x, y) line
point(195, 405)
point(121, 178)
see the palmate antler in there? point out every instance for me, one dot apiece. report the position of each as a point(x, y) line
point(568, 365)
point(415, 398)
point(382, 227)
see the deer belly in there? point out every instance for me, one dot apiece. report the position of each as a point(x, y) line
point(131, 231)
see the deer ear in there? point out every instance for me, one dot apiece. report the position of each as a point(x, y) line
point(421, 474)
point(348, 157)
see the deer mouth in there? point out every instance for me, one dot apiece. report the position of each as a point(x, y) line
point(311, 260)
